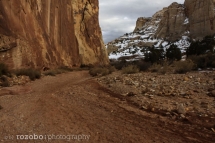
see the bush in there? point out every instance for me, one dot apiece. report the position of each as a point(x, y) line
point(201, 47)
point(161, 68)
point(154, 55)
point(31, 73)
point(183, 66)
point(155, 68)
point(173, 53)
point(1, 107)
point(3, 69)
point(142, 65)
point(203, 61)
point(65, 68)
point(101, 71)
point(50, 72)
point(130, 69)
point(118, 64)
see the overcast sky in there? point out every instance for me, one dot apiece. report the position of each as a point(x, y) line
point(118, 17)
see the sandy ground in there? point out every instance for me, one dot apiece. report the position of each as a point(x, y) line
point(74, 107)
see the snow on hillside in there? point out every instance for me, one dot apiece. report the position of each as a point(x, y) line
point(133, 43)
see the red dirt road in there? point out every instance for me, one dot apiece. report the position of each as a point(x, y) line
point(58, 109)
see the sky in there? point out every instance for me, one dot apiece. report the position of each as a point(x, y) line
point(117, 17)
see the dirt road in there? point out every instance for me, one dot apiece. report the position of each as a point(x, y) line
point(73, 107)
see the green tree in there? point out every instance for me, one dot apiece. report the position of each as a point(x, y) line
point(154, 55)
point(201, 47)
point(173, 53)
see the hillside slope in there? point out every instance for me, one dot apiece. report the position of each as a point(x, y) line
point(177, 24)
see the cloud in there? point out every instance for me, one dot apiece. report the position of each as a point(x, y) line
point(118, 17)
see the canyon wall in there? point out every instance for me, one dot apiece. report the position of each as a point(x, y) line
point(201, 17)
point(194, 18)
point(50, 33)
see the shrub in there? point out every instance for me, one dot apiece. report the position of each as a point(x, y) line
point(31, 73)
point(142, 65)
point(5, 82)
point(161, 68)
point(65, 68)
point(59, 70)
point(155, 67)
point(154, 55)
point(173, 53)
point(101, 71)
point(203, 61)
point(118, 64)
point(1, 107)
point(50, 72)
point(130, 69)
point(183, 66)
point(111, 69)
point(201, 47)
point(3, 69)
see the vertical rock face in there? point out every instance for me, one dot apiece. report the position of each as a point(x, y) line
point(201, 17)
point(173, 23)
point(51, 33)
point(87, 30)
point(141, 21)
point(194, 18)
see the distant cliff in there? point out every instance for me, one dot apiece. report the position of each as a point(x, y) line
point(197, 17)
point(50, 33)
point(177, 24)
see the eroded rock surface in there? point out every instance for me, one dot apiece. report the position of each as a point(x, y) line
point(50, 33)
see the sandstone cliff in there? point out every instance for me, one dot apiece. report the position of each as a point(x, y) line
point(173, 23)
point(201, 17)
point(141, 21)
point(47, 33)
point(176, 24)
point(194, 18)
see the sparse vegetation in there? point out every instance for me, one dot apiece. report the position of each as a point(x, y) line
point(203, 61)
point(162, 69)
point(201, 47)
point(142, 65)
point(101, 71)
point(154, 55)
point(130, 69)
point(31, 73)
point(173, 53)
point(183, 66)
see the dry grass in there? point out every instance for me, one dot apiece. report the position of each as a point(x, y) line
point(101, 71)
point(131, 69)
point(182, 67)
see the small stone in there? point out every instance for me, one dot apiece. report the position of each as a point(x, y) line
point(198, 79)
point(143, 107)
point(186, 78)
point(182, 116)
point(181, 109)
point(151, 96)
point(131, 94)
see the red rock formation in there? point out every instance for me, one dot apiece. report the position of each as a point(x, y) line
point(47, 33)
